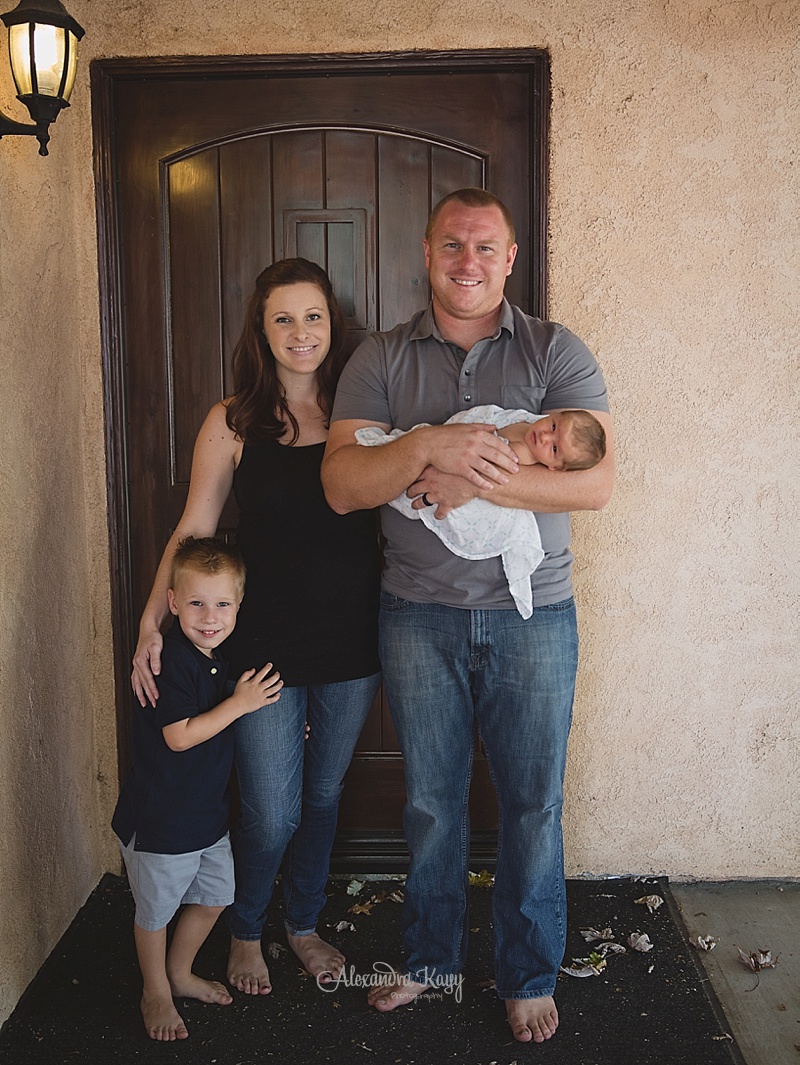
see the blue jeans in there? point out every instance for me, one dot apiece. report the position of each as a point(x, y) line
point(290, 789)
point(443, 668)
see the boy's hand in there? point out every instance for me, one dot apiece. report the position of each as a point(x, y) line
point(255, 688)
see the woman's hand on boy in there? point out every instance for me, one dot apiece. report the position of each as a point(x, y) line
point(147, 666)
point(257, 688)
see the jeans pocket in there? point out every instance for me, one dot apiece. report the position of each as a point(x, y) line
point(554, 608)
point(393, 603)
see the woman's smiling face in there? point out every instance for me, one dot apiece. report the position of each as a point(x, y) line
point(297, 326)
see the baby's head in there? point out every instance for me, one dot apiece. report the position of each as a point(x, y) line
point(206, 590)
point(567, 440)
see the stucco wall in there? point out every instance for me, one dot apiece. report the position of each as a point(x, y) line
point(673, 252)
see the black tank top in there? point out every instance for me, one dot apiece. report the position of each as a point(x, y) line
point(311, 597)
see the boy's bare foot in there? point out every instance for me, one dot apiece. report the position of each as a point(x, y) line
point(247, 970)
point(398, 992)
point(532, 1018)
point(161, 1019)
point(205, 990)
point(322, 960)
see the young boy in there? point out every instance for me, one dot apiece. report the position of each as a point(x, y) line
point(172, 813)
point(566, 440)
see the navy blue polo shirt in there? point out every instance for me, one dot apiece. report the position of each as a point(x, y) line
point(178, 801)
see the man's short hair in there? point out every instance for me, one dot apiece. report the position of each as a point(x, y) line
point(207, 554)
point(472, 197)
point(587, 436)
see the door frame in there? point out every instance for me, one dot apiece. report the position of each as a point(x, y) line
point(106, 75)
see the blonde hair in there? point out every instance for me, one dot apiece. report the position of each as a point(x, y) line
point(208, 555)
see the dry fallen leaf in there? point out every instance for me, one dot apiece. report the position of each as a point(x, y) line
point(396, 896)
point(604, 949)
point(345, 926)
point(354, 887)
point(591, 966)
point(758, 959)
point(592, 934)
point(482, 879)
point(361, 907)
point(276, 949)
point(652, 902)
point(640, 941)
point(703, 942)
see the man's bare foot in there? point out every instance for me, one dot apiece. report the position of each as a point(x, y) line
point(399, 991)
point(161, 1019)
point(532, 1018)
point(247, 970)
point(205, 990)
point(322, 960)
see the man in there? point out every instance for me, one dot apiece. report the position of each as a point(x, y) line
point(453, 647)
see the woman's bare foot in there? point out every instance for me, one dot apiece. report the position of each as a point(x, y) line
point(399, 991)
point(205, 990)
point(161, 1019)
point(322, 960)
point(532, 1018)
point(247, 970)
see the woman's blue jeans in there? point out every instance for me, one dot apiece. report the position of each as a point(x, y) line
point(289, 793)
point(443, 669)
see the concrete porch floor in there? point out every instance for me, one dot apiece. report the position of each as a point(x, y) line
point(763, 1012)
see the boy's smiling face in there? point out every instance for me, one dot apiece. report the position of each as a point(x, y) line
point(206, 605)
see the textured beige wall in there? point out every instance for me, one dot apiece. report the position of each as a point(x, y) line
point(57, 765)
point(673, 252)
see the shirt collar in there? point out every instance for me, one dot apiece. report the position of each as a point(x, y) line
point(176, 633)
point(426, 327)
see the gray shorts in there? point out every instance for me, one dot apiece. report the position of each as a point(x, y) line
point(160, 883)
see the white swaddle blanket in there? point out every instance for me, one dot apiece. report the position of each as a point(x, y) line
point(480, 529)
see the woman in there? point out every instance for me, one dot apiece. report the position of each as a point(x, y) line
point(310, 607)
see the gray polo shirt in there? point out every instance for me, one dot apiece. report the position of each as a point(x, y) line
point(409, 375)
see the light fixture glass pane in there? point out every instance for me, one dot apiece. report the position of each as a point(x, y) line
point(50, 53)
point(72, 66)
point(19, 54)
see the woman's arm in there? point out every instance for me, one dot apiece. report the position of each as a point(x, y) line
point(216, 452)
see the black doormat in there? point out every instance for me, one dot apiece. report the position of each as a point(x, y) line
point(642, 1009)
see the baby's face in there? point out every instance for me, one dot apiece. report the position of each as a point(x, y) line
point(549, 441)
point(206, 605)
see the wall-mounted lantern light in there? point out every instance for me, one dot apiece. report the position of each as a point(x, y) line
point(43, 46)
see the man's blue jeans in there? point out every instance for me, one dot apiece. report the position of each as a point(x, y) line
point(290, 790)
point(444, 668)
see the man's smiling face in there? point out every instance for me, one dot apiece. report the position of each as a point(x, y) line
point(469, 256)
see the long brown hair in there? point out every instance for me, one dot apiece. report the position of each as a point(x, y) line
point(258, 409)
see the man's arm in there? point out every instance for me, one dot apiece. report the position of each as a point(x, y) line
point(532, 488)
point(359, 478)
point(555, 491)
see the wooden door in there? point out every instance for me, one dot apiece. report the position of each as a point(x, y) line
point(208, 170)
